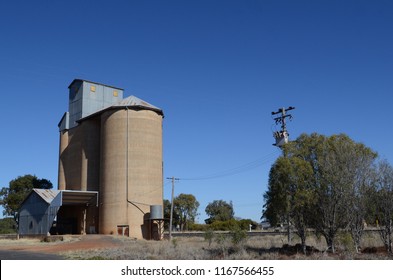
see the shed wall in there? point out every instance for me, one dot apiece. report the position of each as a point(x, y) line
point(36, 216)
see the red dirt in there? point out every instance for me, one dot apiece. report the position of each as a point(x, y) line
point(84, 242)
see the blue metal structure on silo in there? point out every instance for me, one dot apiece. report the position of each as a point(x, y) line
point(86, 98)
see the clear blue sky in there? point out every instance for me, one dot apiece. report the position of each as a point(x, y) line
point(216, 68)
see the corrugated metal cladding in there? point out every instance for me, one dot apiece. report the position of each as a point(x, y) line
point(86, 98)
point(40, 208)
point(38, 212)
point(47, 195)
point(64, 122)
point(134, 101)
point(79, 198)
point(130, 103)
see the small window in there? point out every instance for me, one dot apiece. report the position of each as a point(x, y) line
point(93, 88)
point(115, 93)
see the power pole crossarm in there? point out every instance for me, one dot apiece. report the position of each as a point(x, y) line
point(283, 116)
point(282, 135)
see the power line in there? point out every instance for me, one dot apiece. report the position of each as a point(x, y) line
point(236, 170)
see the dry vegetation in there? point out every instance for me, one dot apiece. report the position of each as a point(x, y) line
point(252, 248)
point(268, 247)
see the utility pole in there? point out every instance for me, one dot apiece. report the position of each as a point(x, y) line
point(281, 139)
point(171, 217)
point(282, 135)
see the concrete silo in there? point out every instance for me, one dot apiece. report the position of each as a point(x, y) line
point(115, 149)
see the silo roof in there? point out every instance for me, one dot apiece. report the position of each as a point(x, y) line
point(87, 81)
point(133, 101)
point(129, 102)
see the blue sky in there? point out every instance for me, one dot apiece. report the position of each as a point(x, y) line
point(216, 68)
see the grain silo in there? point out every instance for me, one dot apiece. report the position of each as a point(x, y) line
point(114, 146)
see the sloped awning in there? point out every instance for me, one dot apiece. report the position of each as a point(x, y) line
point(89, 198)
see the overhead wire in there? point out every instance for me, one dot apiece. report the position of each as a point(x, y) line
point(235, 170)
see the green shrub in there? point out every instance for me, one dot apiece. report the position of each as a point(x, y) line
point(224, 225)
point(345, 241)
point(233, 225)
point(221, 240)
point(8, 226)
point(238, 236)
point(208, 235)
point(198, 227)
point(175, 242)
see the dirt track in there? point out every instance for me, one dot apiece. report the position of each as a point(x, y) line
point(69, 244)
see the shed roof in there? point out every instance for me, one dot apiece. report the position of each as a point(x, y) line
point(46, 195)
point(68, 197)
point(79, 197)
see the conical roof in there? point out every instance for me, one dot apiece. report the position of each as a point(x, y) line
point(133, 101)
point(129, 102)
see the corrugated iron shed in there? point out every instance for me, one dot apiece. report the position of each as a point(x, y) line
point(40, 208)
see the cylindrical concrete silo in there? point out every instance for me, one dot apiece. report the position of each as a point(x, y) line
point(131, 169)
point(90, 154)
point(63, 145)
point(113, 203)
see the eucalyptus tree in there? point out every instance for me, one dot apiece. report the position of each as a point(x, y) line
point(321, 191)
point(185, 207)
point(219, 210)
point(276, 207)
point(290, 197)
point(384, 203)
point(360, 202)
point(11, 197)
point(302, 198)
point(341, 203)
point(167, 214)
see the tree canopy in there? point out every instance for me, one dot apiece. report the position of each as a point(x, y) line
point(314, 183)
point(7, 226)
point(219, 210)
point(383, 203)
point(12, 197)
point(185, 207)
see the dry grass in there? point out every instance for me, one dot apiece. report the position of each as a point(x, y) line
point(270, 247)
point(188, 248)
point(257, 247)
